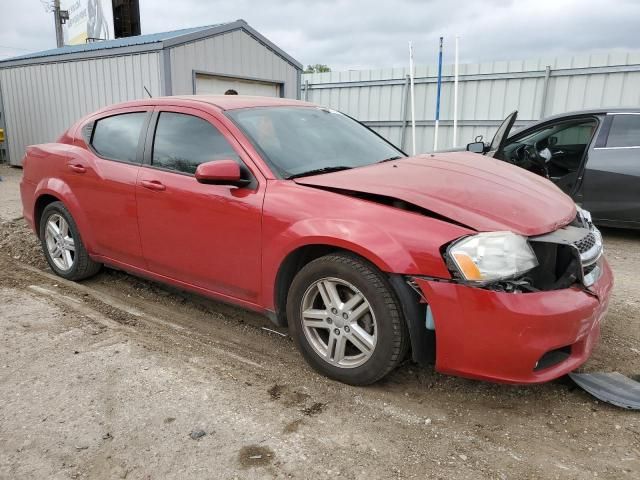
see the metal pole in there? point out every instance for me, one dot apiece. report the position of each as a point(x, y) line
point(413, 102)
point(455, 97)
point(306, 90)
point(403, 111)
point(545, 89)
point(435, 133)
point(58, 20)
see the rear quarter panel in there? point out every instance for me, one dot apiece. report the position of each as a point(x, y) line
point(44, 173)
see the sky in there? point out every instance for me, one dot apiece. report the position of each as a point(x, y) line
point(358, 34)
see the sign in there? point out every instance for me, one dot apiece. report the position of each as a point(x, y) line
point(89, 20)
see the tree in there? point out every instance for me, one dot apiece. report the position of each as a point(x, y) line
point(317, 68)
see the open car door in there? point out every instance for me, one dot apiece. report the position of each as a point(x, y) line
point(500, 138)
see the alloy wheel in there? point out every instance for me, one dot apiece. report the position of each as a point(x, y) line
point(339, 323)
point(60, 243)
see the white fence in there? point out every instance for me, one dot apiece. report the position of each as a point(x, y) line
point(488, 92)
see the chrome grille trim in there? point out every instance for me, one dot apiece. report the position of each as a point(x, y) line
point(592, 277)
point(590, 250)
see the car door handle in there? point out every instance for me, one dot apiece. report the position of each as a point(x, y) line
point(153, 185)
point(76, 167)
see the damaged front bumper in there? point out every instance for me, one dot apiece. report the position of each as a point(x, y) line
point(515, 337)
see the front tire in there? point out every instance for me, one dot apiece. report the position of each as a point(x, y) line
point(346, 319)
point(62, 244)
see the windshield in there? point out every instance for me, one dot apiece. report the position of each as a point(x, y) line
point(299, 140)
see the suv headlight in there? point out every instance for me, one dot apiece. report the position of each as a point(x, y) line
point(491, 256)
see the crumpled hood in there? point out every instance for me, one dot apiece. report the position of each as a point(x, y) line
point(479, 192)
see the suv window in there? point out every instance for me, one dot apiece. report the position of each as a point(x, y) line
point(182, 142)
point(117, 137)
point(625, 131)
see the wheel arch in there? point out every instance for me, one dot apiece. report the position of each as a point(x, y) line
point(421, 340)
point(40, 204)
point(52, 190)
point(289, 267)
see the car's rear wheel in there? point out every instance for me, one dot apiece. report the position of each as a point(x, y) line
point(346, 319)
point(62, 245)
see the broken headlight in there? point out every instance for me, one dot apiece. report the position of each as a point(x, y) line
point(492, 256)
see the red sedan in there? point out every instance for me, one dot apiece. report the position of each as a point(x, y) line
point(304, 214)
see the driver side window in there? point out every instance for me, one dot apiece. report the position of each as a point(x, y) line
point(182, 142)
point(563, 134)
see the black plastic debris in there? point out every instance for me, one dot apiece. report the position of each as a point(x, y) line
point(197, 434)
point(613, 388)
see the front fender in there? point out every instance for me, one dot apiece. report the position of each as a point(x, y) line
point(394, 240)
point(366, 240)
point(384, 250)
point(60, 189)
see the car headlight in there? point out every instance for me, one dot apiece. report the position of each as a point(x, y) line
point(491, 256)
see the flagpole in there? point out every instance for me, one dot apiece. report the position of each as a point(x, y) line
point(435, 134)
point(413, 103)
point(455, 97)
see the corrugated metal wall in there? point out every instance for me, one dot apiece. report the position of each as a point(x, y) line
point(234, 53)
point(488, 92)
point(41, 101)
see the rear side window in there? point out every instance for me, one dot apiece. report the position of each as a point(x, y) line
point(117, 137)
point(625, 131)
point(182, 142)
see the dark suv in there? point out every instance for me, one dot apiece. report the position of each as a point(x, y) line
point(592, 155)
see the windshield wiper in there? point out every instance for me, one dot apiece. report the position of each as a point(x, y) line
point(319, 171)
point(397, 157)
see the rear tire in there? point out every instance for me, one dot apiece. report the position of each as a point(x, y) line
point(346, 320)
point(62, 244)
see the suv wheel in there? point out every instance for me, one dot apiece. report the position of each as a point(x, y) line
point(346, 320)
point(62, 245)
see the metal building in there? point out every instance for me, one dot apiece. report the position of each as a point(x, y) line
point(488, 93)
point(43, 93)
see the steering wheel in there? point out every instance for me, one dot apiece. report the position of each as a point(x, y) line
point(529, 158)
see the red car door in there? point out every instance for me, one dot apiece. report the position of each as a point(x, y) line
point(204, 235)
point(104, 182)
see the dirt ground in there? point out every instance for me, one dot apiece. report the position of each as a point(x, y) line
point(10, 206)
point(118, 377)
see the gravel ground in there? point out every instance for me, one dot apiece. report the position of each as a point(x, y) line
point(118, 377)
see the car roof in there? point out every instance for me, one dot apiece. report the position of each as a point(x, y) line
point(221, 102)
point(593, 111)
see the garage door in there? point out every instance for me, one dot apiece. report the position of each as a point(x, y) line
point(215, 85)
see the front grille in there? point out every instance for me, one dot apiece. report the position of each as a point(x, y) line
point(586, 243)
point(590, 249)
point(565, 256)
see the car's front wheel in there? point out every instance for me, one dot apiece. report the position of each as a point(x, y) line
point(62, 244)
point(346, 319)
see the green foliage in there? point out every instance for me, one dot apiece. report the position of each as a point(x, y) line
point(317, 68)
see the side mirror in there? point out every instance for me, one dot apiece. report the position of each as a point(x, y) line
point(476, 147)
point(220, 172)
